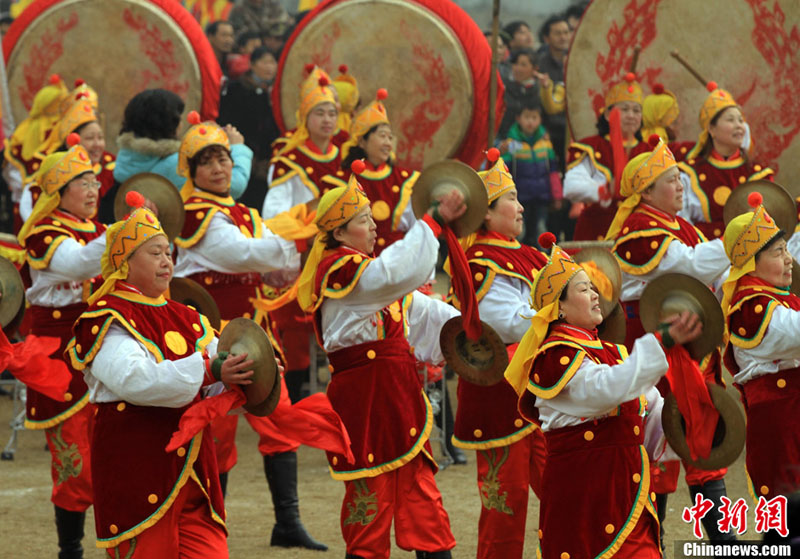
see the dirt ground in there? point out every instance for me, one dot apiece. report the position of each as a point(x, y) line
point(26, 514)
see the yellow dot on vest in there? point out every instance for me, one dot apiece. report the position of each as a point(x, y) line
point(337, 285)
point(717, 232)
point(381, 210)
point(57, 223)
point(113, 529)
point(133, 323)
point(243, 229)
point(565, 555)
point(691, 161)
point(67, 397)
point(152, 499)
point(588, 435)
point(625, 230)
point(281, 171)
point(781, 383)
point(478, 276)
point(102, 303)
point(742, 331)
point(200, 215)
point(246, 217)
point(721, 194)
point(335, 460)
point(627, 255)
point(95, 329)
point(181, 452)
point(208, 482)
point(413, 431)
point(652, 223)
point(478, 433)
point(742, 180)
point(609, 528)
point(370, 457)
point(598, 155)
point(395, 188)
point(764, 489)
point(33, 411)
point(683, 149)
point(701, 176)
point(381, 241)
point(121, 406)
point(226, 211)
point(637, 478)
point(330, 368)
point(757, 167)
point(78, 348)
point(196, 327)
point(247, 315)
point(292, 156)
point(309, 170)
point(509, 265)
point(536, 377)
point(654, 245)
point(48, 239)
point(636, 430)
point(175, 342)
point(541, 534)
point(371, 354)
point(518, 422)
point(339, 173)
point(404, 174)
point(564, 360)
point(56, 313)
point(652, 495)
point(208, 280)
point(358, 259)
point(759, 308)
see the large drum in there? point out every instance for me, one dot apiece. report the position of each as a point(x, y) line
point(748, 47)
point(119, 47)
point(429, 55)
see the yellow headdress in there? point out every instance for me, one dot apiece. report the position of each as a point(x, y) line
point(56, 171)
point(336, 207)
point(315, 90)
point(79, 112)
point(640, 173)
point(718, 100)
point(122, 239)
point(200, 136)
point(368, 117)
point(659, 111)
point(550, 282)
point(626, 90)
point(44, 114)
point(497, 179)
point(82, 89)
point(347, 90)
point(744, 236)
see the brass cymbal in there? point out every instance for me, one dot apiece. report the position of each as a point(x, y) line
point(162, 193)
point(242, 335)
point(444, 176)
point(673, 293)
point(192, 294)
point(729, 437)
point(12, 292)
point(482, 362)
point(606, 263)
point(777, 201)
point(614, 327)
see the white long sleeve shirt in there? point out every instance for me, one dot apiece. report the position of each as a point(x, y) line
point(506, 308)
point(61, 283)
point(283, 197)
point(582, 181)
point(779, 348)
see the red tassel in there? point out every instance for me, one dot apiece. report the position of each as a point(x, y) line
point(323, 81)
point(54, 79)
point(30, 362)
point(134, 199)
point(653, 140)
point(73, 139)
point(308, 67)
point(617, 148)
point(194, 118)
point(381, 94)
point(547, 240)
point(461, 279)
point(358, 166)
point(755, 199)
point(711, 86)
point(658, 89)
point(79, 82)
point(343, 68)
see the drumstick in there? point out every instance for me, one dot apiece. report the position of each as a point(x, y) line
point(635, 60)
point(686, 65)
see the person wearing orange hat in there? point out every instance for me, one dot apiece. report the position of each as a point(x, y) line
point(650, 240)
point(510, 450)
point(600, 413)
point(594, 164)
point(64, 246)
point(146, 359)
point(719, 161)
point(762, 318)
point(226, 248)
point(372, 325)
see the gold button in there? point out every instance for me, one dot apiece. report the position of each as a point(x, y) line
point(335, 460)
point(208, 280)
point(113, 529)
point(509, 265)
point(371, 354)
point(337, 285)
point(33, 411)
point(370, 458)
point(56, 313)
point(95, 329)
point(536, 377)
point(78, 348)
point(609, 528)
point(292, 156)
point(395, 188)
point(540, 534)
point(133, 323)
point(246, 315)
point(381, 242)
point(478, 253)
point(654, 245)
point(701, 176)
point(48, 239)
point(247, 217)
point(759, 308)
point(564, 360)
point(404, 174)
point(57, 223)
point(181, 452)
point(196, 327)
point(717, 232)
point(152, 499)
point(683, 149)
point(358, 259)
point(652, 495)
point(781, 383)
point(199, 215)
point(588, 435)
point(757, 167)
point(637, 478)
point(565, 555)
point(691, 162)
point(625, 230)
point(102, 303)
point(742, 331)
point(68, 396)
point(478, 433)
point(598, 155)
point(518, 422)
point(310, 170)
point(81, 242)
point(121, 406)
point(281, 171)
point(478, 276)
point(627, 255)
point(742, 180)
point(636, 430)
point(413, 431)
point(764, 489)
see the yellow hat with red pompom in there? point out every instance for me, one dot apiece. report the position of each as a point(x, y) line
point(122, 240)
point(367, 118)
point(659, 111)
point(497, 179)
point(315, 90)
point(200, 136)
point(347, 89)
point(80, 87)
point(31, 133)
point(626, 90)
point(717, 101)
point(81, 111)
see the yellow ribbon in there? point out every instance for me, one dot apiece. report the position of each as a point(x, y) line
point(296, 223)
point(518, 370)
point(599, 279)
point(729, 287)
point(305, 284)
point(110, 282)
point(624, 210)
point(45, 205)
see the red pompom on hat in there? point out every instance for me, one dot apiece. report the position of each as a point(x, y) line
point(630, 77)
point(547, 240)
point(194, 118)
point(711, 86)
point(658, 89)
point(73, 139)
point(79, 82)
point(308, 67)
point(358, 166)
point(493, 155)
point(134, 199)
point(755, 199)
point(381, 94)
point(82, 95)
point(54, 79)
point(323, 81)
point(343, 68)
point(653, 140)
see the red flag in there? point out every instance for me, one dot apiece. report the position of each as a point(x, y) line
point(30, 363)
point(202, 413)
point(617, 149)
point(461, 281)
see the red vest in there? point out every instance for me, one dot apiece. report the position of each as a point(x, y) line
point(135, 480)
point(309, 166)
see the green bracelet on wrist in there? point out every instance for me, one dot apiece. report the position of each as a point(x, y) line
point(216, 366)
point(437, 217)
point(666, 339)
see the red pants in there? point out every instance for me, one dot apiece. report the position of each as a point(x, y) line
point(70, 465)
point(294, 329)
point(270, 440)
point(407, 495)
point(505, 475)
point(187, 531)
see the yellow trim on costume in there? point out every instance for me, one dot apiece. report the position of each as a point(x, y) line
point(654, 261)
point(201, 230)
point(512, 244)
point(63, 416)
point(501, 270)
point(214, 515)
point(80, 364)
point(761, 174)
point(335, 182)
point(296, 170)
point(406, 189)
point(346, 289)
point(140, 298)
point(569, 372)
point(698, 191)
point(749, 343)
point(498, 442)
point(589, 150)
point(87, 226)
point(224, 200)
point(406, 304)
point(726, 163)
point(44, 261)
point(377, 174)
point(327, 157)
point(419, 445)
point(15, 255)
point(188, 467)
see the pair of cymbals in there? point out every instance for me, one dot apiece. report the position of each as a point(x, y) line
point(482, 361)
point(12, 293)
point(162, 193)
point(242, 335)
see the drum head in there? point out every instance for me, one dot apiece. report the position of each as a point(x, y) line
point(744, 61)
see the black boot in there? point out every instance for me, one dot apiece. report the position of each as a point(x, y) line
point(281, 471)
point(69, 525)
point(223, 482)
point(661, 510)
point(434, 554)
point(713, 490)
point(294, 383)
